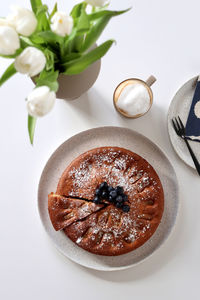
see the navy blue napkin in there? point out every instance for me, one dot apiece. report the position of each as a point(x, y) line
point(192, 129)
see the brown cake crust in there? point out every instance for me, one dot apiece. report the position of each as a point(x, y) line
point(110, 231)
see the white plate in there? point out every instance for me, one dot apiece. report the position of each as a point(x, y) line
point(109, 136)
point(180, 106)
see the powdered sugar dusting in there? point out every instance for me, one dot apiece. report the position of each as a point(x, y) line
point(111, 228)
point(79, 240)
point(113, 167)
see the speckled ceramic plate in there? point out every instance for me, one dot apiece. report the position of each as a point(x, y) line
point(180, 106)
point(109, 136)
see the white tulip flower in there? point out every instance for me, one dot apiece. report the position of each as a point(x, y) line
point(23, 20)
point(31, 61)
point(98, 3)
point(9, 40)
point(5, 22)
point(62, 24)
point(40, 101)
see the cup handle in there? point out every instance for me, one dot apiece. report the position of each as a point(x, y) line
point(150, 80)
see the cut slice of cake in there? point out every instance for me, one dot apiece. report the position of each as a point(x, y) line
point(64, 211)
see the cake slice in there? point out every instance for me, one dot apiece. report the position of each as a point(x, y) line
point(64, 211)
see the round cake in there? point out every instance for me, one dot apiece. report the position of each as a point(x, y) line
point(128, 210)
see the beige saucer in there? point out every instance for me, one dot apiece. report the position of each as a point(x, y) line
point(126, 82)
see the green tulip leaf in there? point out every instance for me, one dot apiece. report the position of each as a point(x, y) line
point(96, 15)
point(39, 41)
point(9, 72)
point(80, 64)
point(50, 37)
point(71, 56)
point(48, 78)
point(78, 42)
point(69, 43)
point(41, 10)
point(55, 9)
point(31, 127)
point(36, 39)
point(98, 27)
point(36, 4)
point(83, 24)
point(49, 59)
point(76, 11)
point(27, 42)
point(43, 22)
point(95, 31)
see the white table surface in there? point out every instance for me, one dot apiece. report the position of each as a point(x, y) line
point(156, 37)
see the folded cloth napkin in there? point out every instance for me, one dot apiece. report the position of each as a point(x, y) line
point(192, 129)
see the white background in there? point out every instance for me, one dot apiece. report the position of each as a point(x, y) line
point(155, 37)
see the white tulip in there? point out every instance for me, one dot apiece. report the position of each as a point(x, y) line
point(9, 40)
point(62, 24)
point(31, 61)
point(23, 20)
point(40, 101)
point(98, 3)
point(5, 22)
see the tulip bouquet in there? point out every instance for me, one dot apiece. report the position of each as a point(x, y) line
point(44, 44)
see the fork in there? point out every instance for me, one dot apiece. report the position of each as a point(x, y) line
point(180, 131)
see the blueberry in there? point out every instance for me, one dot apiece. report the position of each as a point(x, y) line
point(119, 204)
point(110, 188)
point(125, 197)
point(103, 185)
point(119, 190)
point(96, 200)
point(126, 208)
point(113, 194)
point(110, 199)
point(98, 192)
point(119, 199)
point(104, 195)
